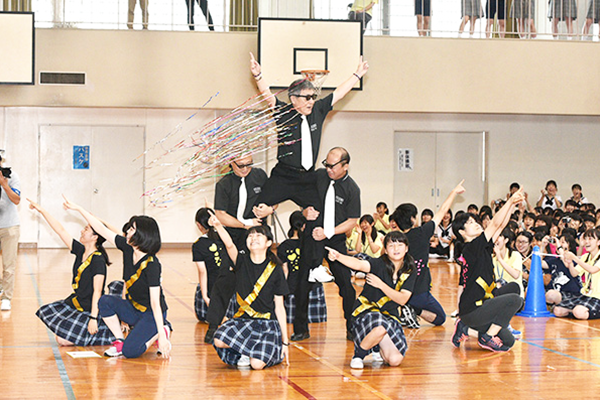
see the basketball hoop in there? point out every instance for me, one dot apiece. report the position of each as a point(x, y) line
point(315, 76)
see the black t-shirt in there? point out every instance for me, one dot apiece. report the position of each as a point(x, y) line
point(418, 248)
point(347, 197)
point(147, 277)
point(477, 272)
point(246, 275)
point(227, 192)
point(214, 256)
point(373, 294)
point(288, 122)
point(83, 283)
point(562, 280)
point(288, 252)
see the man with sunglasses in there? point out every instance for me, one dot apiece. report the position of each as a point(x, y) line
point(235, 195)
point(339, 200)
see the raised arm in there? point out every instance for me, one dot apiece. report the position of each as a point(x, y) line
point(232, 251)
point(350, 262)
point(591, 268)
point(439, 215)
point(262, 86)
point(501, 218)
point(93, 221)
point(347, 86)
point(54, 224)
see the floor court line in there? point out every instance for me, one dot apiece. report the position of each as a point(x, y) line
point(62, 371)
point(560, 353)
point(297, 388)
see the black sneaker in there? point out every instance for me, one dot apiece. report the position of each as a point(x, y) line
point(408, 318)
point(210, 335)
point(296, 337)
point(461, 333)
point(349, 336)
point(492, 343)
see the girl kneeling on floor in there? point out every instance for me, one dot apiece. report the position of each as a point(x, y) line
point(375, 320)
point(257, 335)
point(143, 304)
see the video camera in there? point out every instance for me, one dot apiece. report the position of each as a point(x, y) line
point(6, 171)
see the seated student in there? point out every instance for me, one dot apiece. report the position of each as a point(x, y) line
point(484, 310)
point(473, 209)
point(351, 240)
point(563, 285)
point(257, 334)
point(528, 221)
point(382, 218)
point(586, 305)
point(390, 283)
point(208, 253)
point(75, 320)
point(524, 247)
point(422, 301)
point(570, 206)
point(288, 252)
point(426, 216)
point(445, 237)
point(549, 198)
point(508, 263)
point(370, 241)
point(589, 221)
point(485, 216)
point(143, 304)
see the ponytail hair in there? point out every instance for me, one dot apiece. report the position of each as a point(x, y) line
point(297, 222)
point(202, 217)
point(100, 246)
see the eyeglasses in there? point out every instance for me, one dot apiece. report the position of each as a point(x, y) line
point(243, 165)
point(330, 166)
point(307, 97)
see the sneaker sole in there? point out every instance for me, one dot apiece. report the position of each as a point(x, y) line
point(483, 346)
point(462, 338)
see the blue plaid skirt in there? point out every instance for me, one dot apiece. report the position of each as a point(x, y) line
point(366, 322)
point(68, 323)
point(115, 288)
point(570, 300)
point(200, 306)
point(317, 308)
point(255, 338)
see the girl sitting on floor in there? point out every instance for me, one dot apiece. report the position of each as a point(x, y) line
point(375, 320)
point(75, 320)
point(257, 334)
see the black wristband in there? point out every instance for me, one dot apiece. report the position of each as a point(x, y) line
point(94, 318)
point(285, 344)
point(356, 75)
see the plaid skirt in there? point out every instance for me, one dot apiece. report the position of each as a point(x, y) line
point(317, 308)
point(115, 288)
point(563, 9)
point(68, 323)
point(200, 305)
point(255, 338)
point(569, 301)
point(594, 11)
point(523, 9)
point(366, 322)
point(471, 8)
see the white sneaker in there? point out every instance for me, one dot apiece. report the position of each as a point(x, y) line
point(357, 363)
point(243, 362)
point(320, 274)
point(376, 357)
point(5, 306)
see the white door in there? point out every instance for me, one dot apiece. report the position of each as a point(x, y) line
point(108, 183)
point(439, 161)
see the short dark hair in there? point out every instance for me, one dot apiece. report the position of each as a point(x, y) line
point(427, 211)
point(459, 223)
point(515, 185)
point(147, 234)
point(298, 85)
point(473, 206)
point(551, 182)
point(570, 203)
point(402, 215)
point(383, 204)
point(576, 186)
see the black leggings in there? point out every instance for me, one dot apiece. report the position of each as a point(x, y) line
point(497, 311)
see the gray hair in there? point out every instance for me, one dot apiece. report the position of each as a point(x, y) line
point(298, 85)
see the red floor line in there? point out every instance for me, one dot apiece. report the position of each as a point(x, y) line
point(297, 388)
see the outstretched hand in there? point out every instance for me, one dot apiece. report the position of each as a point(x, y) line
point(213, 220)
point(363, 67)
point(255, 67)
point(69, 205)
point(459, 188)
point(333, 255)
point(33, 205)
point(517, 197)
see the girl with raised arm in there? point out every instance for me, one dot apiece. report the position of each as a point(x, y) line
point(257, 334)
point(484, 310)
point(375, 320)
point(143, 304)
point(76, 320)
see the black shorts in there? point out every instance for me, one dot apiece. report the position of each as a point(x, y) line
point(495, 6)
point(423, 7)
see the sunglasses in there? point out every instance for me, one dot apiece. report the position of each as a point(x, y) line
point(330, 166)
point(242, 166)
point(307, 97)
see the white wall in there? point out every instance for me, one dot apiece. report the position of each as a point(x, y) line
point(523, 148)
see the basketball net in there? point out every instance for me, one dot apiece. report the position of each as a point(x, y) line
point(315, 76)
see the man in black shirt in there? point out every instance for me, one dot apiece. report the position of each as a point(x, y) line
point(339, 198)
point(235, 195)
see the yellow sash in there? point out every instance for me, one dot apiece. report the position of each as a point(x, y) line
point(82, 268)
point(488, 290)
point(76, 304)
point(587, 285)
point(245, 304)
point(133, 279)
point(367, 305)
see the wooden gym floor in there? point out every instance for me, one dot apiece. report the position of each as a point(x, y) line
point(556, 357)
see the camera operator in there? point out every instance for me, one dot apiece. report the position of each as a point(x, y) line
point(10, 197)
